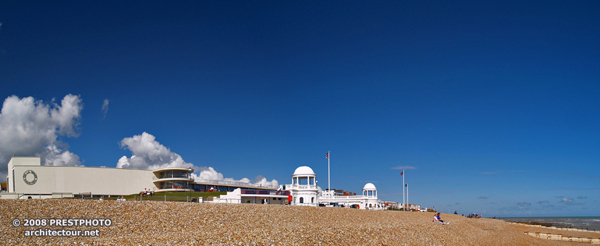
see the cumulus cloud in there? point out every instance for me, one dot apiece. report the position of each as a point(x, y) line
point(105, 108)
point(262, 181)
point(147, 153)
point(209, 174)
point(33, 128)
point(404, 167)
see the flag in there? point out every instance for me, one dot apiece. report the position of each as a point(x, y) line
point(402, 173)
point(327, 156)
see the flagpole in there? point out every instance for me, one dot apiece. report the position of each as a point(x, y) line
point(328, 172)
point(407, 194)
point(403, 204)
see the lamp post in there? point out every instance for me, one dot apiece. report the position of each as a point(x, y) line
point(189, 181)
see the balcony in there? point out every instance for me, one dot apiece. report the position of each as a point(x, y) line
point(265, 192)
point(156, 180)
point(300, 187)
point(233, 183)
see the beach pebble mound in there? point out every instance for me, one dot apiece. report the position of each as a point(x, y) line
point(178, 223)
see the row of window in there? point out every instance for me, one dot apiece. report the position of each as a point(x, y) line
point(173, 185)
point(173, 174)
point(312, 200)
point(303, 181)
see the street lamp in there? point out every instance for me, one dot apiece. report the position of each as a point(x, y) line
point(189, 181)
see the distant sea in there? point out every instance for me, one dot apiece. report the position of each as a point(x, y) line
point(590, 223)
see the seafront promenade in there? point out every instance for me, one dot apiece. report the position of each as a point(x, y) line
point(178, 223)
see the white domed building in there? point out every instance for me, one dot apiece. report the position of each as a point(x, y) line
point(304, 189)
point(305, 192)
point(370, 200)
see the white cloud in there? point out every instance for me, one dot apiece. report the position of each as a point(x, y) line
point(105, 108)
point(264, 182)
point(147, 153)
point(569, 201)
point(404, 167)
point(208, 173)
point(33, 128)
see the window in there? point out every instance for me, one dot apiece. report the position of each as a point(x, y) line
point(301, 199)
point(312, 200)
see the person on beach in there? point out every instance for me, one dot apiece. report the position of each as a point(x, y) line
point(436, 218)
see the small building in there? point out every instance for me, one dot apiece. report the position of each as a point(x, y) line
point(254, 196)
point(368, 199)
point(304, 189)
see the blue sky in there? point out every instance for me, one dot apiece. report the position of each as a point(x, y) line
point(495, 105)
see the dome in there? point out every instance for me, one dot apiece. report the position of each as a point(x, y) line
point(369, 186)
point(304, 170)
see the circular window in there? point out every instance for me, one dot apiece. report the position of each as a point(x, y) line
point(30, 177)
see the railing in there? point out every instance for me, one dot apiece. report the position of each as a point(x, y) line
point(346, 197)
point(155, 179)
point(235, 183)
point(295, 186)
point(265, 192)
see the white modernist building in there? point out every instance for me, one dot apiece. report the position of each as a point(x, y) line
point(304, 192)
point(254, 196)
point(368, 199)
point(27, 177)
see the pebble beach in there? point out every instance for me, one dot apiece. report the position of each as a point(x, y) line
point(178, 223)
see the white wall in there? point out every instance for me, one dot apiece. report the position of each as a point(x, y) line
point(22, 161)
point(76, 180)
point(308, 196)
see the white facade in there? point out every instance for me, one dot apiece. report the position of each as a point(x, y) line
point(368, 200)
point(304, 189)
point(27, 176)
point(252, 196)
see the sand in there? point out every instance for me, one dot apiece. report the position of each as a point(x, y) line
point(177, 223)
